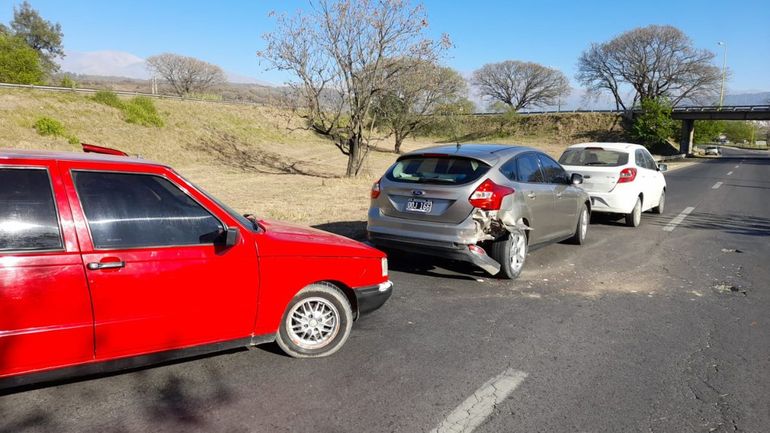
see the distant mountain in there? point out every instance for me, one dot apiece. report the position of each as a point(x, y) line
point(126, 65)
point(105, 63)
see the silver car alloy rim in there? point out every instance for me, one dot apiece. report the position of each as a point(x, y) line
point(662, 203)
point(637, 212)
point(518, 251)
point(583, 223)
point(313, 323)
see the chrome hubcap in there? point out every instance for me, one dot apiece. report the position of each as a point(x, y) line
point(583, 224)
point(518, 251)
point(313, 323)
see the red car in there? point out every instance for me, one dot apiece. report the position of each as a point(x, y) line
point(109, 262)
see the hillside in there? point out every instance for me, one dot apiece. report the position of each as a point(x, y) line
point(256, 158)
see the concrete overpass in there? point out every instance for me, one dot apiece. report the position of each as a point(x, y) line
point(688, 116)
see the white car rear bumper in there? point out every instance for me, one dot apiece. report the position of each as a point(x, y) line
point(612, 202)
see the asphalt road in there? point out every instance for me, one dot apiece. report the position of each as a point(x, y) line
point(641, 329)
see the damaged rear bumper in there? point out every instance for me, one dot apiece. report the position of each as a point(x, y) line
point(463, 252)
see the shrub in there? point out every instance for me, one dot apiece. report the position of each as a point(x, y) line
point(654, 125)
point(139, 110)
point(66, 81)
point(108, 98)
point(46, 126)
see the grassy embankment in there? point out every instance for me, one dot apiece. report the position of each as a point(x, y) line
point(255, 158)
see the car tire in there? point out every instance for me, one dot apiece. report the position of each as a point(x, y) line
point(634, 218)
point(316, 322)
point(661, 204)
point(579, 238)
point(511, 253)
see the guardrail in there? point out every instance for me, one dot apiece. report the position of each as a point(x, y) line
point(693, 109)
point(119, 92)
point(729, 108)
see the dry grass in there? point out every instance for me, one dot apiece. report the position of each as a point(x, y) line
point(246, 155)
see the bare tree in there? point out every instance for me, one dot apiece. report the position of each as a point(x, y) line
point(521, 84)
point(341, 53)
point(185, 74)
point(415, 94)
point(653, 61)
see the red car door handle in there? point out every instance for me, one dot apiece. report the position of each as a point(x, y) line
point(94, 266)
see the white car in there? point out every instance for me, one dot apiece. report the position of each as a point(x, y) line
point(620, 178)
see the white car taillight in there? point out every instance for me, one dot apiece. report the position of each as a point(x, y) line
point(384, 266)
point(627, 175)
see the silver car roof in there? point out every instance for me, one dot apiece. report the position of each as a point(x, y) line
point(488, 153)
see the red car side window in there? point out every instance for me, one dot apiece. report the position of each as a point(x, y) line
point(138, 210)
point(28, 220)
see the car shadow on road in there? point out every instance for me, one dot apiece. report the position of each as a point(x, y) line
point(608, 219)
point(350, 229)
point(732, 224)
point(433, 266)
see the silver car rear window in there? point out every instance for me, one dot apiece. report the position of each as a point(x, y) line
point(593, 156)
point(442, 170)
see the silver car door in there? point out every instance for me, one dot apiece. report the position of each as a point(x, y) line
point(538, 198)
point(565, 196)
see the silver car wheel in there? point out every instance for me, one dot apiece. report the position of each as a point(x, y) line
point(583, 223)
point(518, 251)
point(313, 323)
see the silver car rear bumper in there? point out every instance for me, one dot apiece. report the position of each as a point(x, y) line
point(429, 238)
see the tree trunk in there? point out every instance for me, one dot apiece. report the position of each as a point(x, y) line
point(354, 155)
point(399, 141)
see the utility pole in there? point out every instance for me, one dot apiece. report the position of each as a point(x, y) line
point(724, 74)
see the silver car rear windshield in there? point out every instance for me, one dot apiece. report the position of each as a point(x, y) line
point(594, 156)
point(437, 169)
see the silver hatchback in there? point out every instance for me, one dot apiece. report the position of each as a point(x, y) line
point(486, 204)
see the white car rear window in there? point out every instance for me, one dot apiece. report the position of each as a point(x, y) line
point(588, 156)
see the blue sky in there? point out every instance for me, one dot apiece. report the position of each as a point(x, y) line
point(553, 33)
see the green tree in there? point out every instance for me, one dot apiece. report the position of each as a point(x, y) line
point(654, 125)
point(707, 131)
point(42, 36)
point(737, 131)
point(19, 64)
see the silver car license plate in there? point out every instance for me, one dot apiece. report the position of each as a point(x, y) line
point(419, 205)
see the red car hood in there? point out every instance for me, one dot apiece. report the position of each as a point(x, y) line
point(294, 240)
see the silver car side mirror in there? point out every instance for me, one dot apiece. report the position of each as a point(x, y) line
point(577, 179)
point(662, 167)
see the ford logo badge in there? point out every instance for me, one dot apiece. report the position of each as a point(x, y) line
point(417, 192)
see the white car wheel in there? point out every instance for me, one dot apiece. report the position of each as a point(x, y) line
point(634, 218)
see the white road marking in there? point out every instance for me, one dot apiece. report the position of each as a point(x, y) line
point(716, 185)
point(678, 220)
point(478, 407)
point(736, 166)
point(729, 173)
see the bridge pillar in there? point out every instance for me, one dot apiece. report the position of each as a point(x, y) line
point(685, 143)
